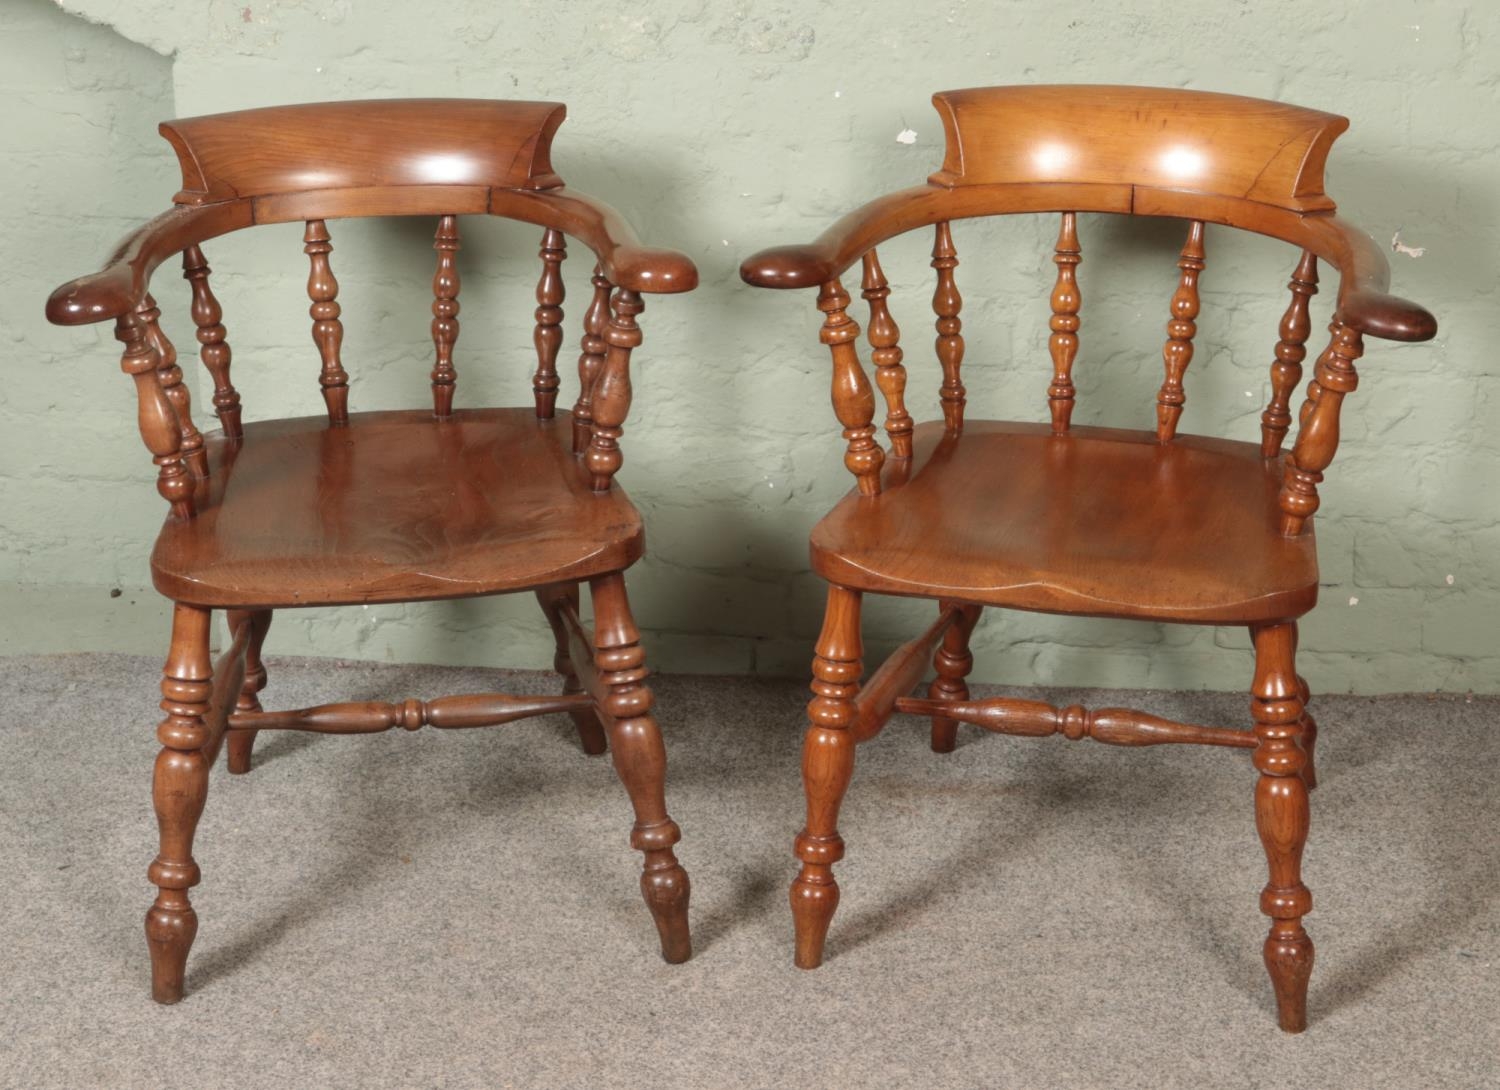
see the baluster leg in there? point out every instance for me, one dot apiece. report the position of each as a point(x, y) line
point(590, 731)
point(178, 790)
point(239, 743)
point(953, 661)
point(640, 760)
point(1281, 817)
point(827, 765)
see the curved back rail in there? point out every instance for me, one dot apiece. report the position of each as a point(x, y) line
point(314, 163)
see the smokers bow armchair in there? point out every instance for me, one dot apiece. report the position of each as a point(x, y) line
point(1148, 524)
point(366, 507)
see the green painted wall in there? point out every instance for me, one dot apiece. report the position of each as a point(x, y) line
point(719, 129)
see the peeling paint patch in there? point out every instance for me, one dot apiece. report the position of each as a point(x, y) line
point(1402, 248)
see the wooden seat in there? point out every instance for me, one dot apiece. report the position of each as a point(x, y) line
point(391, 508)
point(1157, 525)
point(1009, 514)
point(354, 508)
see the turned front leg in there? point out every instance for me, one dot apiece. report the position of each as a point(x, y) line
point(827, 765)
point(640, 760)
point(178, 790)
point(1281, 817)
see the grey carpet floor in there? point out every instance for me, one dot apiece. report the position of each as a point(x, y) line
point(461, 909)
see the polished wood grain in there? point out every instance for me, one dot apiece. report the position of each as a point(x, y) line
point(391, 509)
point(1149, 525)
point(392, 506)
point(446, 285)
point(1150, 137)
point(1068, 524)
point(1067, 300)
point(1181, 329)
point(339, 145)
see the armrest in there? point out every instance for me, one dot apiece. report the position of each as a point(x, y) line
point(624, 260)
point(846, 241)
point(1365, 274)
point(119, 287)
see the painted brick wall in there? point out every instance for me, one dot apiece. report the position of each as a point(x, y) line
point(718, 129)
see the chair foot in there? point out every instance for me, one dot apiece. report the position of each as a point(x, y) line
point(178, 790)
point(827, 766)
point(585, 720)
point(240, 743)
point(953, 661)
point(1282, 818)
point(640, 760)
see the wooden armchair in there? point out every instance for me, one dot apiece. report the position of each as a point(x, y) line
point(1147, 524)
point(357, 507)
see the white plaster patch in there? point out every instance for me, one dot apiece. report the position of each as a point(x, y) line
point(1402, 248)
point(906, 136)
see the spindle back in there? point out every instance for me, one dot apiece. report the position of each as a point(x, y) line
point(443, 158)
point(1190, 155)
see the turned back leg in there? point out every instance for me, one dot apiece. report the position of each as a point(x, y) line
point(240, 743)
point(552, 599)
point(953, 661)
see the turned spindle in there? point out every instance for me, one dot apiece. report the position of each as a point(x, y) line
point(445, 287)
point(548, 336)
point(1334, 377)
point(590, 360)
point(946, 304)
point(885, 353)
point(1291, 350)
point(1063, 343)
point(155, 416)
point(213, 350)
point(327, 330)
point(612, 389)
point(1178, 351)
point(190, 445)
point(853, 400)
